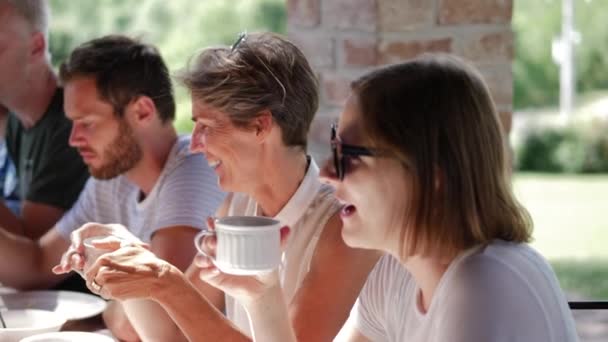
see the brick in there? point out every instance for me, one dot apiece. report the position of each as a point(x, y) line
point(403, 15)
point(488, 47)
point(306, 13)
point(396, 51)
point(335, 88)
point(318, 49)
point(453, 12)
point(359, 15)
point(360, 52)
point(506, 119)
point(319, 134)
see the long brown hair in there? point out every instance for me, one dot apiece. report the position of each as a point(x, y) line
point(436, 115)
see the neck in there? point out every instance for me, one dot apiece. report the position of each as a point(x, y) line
point(280, 183)
point(155, 150)
point(427, 272)
point(31, 104)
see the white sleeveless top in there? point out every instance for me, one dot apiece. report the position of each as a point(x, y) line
point(306, 213)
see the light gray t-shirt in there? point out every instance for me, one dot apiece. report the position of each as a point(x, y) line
point(185, 194)
point(501, 292)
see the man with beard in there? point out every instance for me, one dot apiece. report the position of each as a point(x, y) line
point(118, 95)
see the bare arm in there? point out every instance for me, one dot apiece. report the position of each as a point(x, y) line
point(194, 314)
point(117, 322)
point(31, 261)
point(323, 302)
point(36, 219)
point(269, 318)
point(150, 321)
point(212, 295)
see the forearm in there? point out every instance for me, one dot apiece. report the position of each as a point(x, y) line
point(196, 317)
point(25, 257)
point(9, 221)
point(116, 320)
point(28, 263)
point(269, 317)
point(151, 321)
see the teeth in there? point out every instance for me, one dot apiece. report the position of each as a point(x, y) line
point(215, 164)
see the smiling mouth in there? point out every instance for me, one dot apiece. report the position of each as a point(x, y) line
point(214, 165)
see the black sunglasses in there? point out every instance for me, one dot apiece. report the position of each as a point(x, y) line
point(341, 151)
point(242, 36)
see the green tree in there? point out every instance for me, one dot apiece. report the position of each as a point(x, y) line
point(178, 28)
point(535, 24)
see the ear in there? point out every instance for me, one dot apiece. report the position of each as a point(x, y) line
point(38, 45)
point(262, 124)
point(142, 110)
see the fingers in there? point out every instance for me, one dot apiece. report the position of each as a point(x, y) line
point(211, 223)
point(71, 260)
point(109, 242)
point(285, 232)
point(207, 245)
point(202, 261)
point(207, 269)
point(88, 230)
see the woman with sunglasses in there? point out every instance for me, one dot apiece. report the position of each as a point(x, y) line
point(253, 105)
point(419, 164)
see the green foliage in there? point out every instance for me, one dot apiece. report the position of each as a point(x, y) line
point(587, 278)
point(581, 148)
point(536, 23)
point(179, 28)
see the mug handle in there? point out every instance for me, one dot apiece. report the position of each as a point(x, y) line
point(197, 243)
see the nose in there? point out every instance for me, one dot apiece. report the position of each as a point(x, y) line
point(328, 174)
point(75, 139)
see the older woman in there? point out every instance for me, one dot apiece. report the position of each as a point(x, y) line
point(253, 105)
point(419, 164)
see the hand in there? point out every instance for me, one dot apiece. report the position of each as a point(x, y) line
point(128, 273)
point(245, 289)
point(114, 236)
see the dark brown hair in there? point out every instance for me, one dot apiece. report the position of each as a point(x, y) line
point(436, 115)
point(262, 71)
point(124, 69)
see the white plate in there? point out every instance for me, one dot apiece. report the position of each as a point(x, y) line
point(68, 336)
point(72, 305)
point(24, 323)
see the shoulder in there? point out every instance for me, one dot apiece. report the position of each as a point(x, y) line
point(183, 162)
point(501, 286)
point(388, 271)
point(491, 269)
point(503, 262)
point(387, 292)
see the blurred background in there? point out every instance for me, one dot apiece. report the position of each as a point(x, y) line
point(560, 157)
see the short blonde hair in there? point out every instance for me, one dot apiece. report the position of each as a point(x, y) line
point(262, 71)
point(436, 115)
point(35, 12)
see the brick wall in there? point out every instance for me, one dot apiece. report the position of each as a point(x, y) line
point(345, 38)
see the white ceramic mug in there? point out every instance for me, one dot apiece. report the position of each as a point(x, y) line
point(246, 245)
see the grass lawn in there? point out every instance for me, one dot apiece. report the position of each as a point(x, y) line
point(570, 214)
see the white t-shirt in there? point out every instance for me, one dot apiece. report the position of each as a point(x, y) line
point(185, 194)
point(306, 213)
point(503, 292)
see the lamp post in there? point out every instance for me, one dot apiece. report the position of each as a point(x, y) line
point(563, 55)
